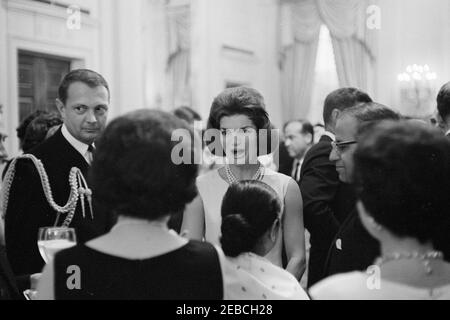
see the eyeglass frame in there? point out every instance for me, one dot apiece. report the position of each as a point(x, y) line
point(339, 145)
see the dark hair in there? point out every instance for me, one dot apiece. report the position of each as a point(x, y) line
point(369, 114)
point(37, 130)
point(246, 101)
point(249, 209)
point(133, 173)
point(22, 128)
point(307, 127)
point(88, 77)
point(187, 114)
point(342, 99)
point(443, 101)
point(402, 176)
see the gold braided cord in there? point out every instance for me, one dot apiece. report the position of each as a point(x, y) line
point(78, 189)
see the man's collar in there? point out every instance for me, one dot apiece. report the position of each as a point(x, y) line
point(329, 134)
point(81, 147)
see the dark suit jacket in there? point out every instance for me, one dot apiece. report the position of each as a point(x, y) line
point(326, 203)
point(353, 248)
point(28, 210)
point(8, 285)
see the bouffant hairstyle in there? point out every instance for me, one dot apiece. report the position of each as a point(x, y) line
point(242, 101)
point(133, 173)
point(249, 209)
point(402, 172)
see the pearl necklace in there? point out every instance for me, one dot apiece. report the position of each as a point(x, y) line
point(259, 175)
point(424, 257)
point(78, 190)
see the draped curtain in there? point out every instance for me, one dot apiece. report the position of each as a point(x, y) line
point(179, 60)
point(301, 22)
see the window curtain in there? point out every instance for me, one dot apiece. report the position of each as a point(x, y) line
point(300, 29)
point(300, 38)
point(179, 60)
point(346, 20)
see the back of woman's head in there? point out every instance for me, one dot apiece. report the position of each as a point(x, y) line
point(403, 178)
point(134, 173)
point(249, 209)
point(36, 131)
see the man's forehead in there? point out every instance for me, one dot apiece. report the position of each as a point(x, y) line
point(294, 126)
point(79, 90)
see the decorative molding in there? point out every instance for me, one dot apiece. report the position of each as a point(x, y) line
point(237, 50)
point(42, 8)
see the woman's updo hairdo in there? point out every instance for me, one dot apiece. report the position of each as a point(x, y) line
point(249, 209)
point(237, 235)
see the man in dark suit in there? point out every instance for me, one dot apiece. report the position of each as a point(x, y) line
point(83, 100)
point(298, 138)
point(353, 248)
point(326, 201)
point(443, 109)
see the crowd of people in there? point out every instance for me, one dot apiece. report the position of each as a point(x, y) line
point(356, 208)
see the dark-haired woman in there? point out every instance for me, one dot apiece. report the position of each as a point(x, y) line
point(240, 118)
point(402, 176)
point(250, 226)
point(135, 178)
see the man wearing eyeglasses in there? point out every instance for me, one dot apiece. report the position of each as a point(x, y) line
point(325, 199)
point(353, 248)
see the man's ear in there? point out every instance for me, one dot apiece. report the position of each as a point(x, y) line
point(61, 108)
point(335, 114)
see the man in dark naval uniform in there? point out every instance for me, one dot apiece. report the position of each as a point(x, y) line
point(83, 101)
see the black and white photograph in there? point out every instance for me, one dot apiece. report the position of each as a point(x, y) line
point(224, 154)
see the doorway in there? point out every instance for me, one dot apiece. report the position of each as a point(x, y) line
point(39, 79)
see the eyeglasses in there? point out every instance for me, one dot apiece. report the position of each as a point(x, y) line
point(342, 146)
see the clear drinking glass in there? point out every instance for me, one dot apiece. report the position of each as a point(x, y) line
point(54, 239)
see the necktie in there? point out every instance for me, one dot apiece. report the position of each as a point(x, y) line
point(89, 152)
point(296, 170)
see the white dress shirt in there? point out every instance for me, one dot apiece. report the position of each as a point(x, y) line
point(296, 168)
point(81, 147)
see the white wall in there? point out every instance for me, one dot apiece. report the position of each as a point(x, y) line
point(111, 41)
point(412, 31)
point(249, 25)
point(37, 27)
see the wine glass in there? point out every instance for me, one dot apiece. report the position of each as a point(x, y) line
point(54, 239)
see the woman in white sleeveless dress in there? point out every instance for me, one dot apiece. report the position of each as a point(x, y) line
point(241, 128)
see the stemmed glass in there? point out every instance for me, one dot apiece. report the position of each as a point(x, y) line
point(54, 239)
